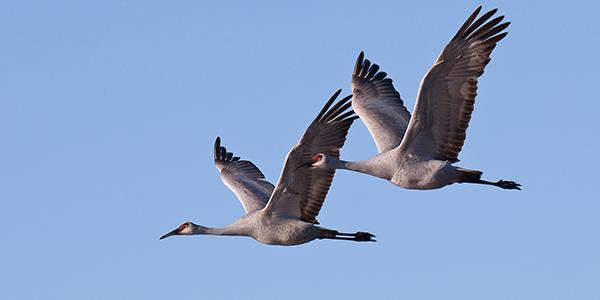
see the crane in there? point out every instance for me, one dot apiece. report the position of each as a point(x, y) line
point(418, 152)
point(285, 214)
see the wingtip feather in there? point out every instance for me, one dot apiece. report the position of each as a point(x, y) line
point(328, 104)
point(217, 146)
point(358, 64)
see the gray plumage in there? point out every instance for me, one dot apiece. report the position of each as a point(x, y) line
point(309, 186)
point(447, 94)
point(243, 178)
point(285, 214)
point(416, 152)
point(378, 104)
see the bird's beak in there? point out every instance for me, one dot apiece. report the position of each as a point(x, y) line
point(174, 232)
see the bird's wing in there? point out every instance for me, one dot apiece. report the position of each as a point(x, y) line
point(378, 104)
point(243, 178)
point(301, 190)
point(447, 93)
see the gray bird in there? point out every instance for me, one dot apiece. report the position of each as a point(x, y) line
point(418, 152)
point(285, 214)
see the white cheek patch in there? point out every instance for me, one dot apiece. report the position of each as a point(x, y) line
point(187, 230)
point(320, 163)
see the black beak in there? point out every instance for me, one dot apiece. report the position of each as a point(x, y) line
point(174, 232)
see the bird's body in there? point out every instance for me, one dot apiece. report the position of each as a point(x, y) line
point(415, 173)
point(285, 213)
point(405, 170)
point(418, 151)
point(270, 230)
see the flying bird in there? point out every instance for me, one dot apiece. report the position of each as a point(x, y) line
point(418, 152)
point(285, 214)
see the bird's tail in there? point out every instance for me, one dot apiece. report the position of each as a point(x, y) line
point(466, 175)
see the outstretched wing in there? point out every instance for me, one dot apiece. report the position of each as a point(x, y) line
point(300, 191)
point(378, 104)
point(445, 102)
point(243, 178)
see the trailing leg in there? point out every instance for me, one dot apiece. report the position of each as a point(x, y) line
point(357, 237)
point(473, 176)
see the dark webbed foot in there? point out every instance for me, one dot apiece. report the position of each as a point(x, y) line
point(364, 237)
point(509, 185)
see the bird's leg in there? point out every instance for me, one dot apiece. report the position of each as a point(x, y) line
point(505, 184)
point(358, 236)
point(474, 176)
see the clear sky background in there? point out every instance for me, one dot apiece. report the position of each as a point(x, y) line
point(109, 111)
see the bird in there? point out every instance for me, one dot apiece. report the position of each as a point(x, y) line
point(285, 214)
point(418, 152)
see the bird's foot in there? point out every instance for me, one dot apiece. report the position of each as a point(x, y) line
point(509, 185)
point(364, 237)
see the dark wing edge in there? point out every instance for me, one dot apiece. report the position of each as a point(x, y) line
point(450, 87)
point(301, 191)
point(243, 178)
point(378, 104)
point(329, 136)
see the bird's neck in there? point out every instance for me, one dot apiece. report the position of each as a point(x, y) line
point(228, 230)
point(368, 166)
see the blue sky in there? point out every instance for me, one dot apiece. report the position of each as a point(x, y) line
point(108, 113)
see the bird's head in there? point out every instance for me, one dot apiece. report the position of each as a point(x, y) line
point(186, 228)
point(319, 161)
